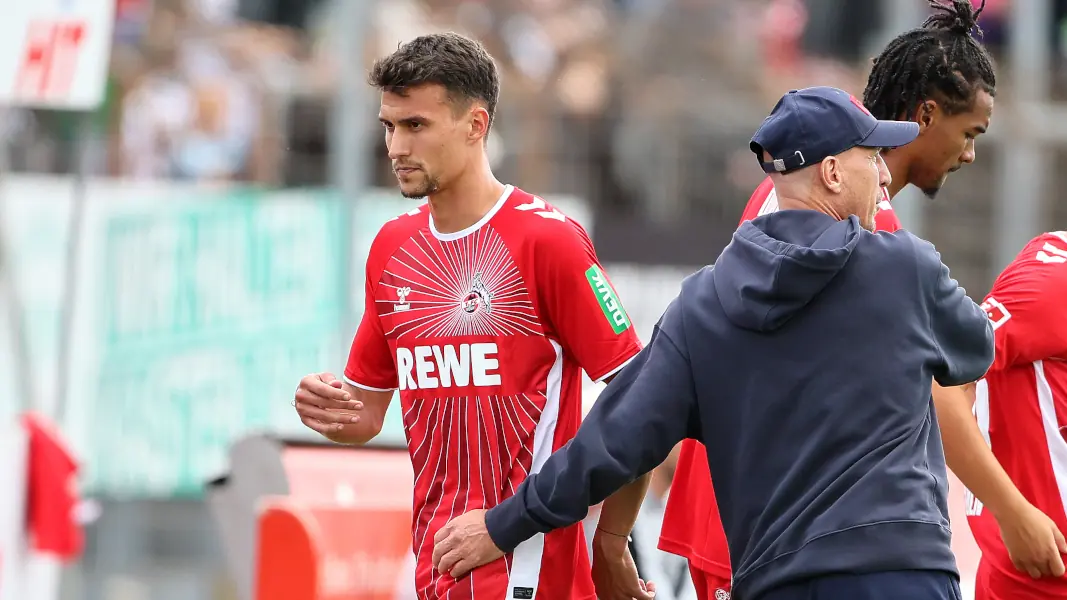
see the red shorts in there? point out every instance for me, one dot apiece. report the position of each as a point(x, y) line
point(993, 583)
point(709, 586)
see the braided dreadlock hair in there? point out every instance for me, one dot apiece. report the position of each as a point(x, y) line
point(940, 60)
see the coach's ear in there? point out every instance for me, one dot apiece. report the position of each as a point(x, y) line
point(831, 172)
point(926, 114)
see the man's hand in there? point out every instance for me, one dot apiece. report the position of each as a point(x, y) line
point(1033, 541)
point(614, 572)
point(463, 544)
point(323, 406)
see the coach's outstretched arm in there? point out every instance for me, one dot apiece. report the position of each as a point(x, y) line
point(640, 416)
point(631, 429)
point(961, 329)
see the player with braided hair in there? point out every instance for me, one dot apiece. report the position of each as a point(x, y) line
point(941, 77)
point(941, 55)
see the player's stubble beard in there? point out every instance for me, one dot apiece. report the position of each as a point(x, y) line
point(931, 191)
point(428, 186)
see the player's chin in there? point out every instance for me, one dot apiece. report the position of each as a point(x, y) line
point(415, 184)
point(413, 190)
point(415, 195)
point(932, 191)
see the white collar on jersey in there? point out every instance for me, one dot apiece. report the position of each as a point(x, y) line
point(448, 237)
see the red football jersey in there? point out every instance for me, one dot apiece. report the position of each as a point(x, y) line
point(691, 525)
point(486, 332)
point(1021, 404)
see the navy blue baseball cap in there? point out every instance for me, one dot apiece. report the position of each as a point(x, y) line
point(810, 124)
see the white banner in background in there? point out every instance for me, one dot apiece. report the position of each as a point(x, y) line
point(55, 53)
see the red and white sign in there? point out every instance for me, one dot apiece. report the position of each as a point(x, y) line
point(39, 529)
point(55, 53)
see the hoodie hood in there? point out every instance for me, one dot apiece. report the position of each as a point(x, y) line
point(776, 264)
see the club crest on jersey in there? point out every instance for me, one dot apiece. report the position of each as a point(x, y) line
point(402, 299)
point(478, 298)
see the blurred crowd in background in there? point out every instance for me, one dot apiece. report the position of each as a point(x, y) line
point(642, 108)
point(640, 105)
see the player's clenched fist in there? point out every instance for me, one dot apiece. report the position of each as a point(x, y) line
point(323, 405)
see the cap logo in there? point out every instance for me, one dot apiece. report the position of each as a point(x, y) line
point(859, 105)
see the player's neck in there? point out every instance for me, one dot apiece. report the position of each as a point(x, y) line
point(466, 200)
point(897, 162)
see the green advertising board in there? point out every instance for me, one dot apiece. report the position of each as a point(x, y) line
point(206, 315)
point(197, 312)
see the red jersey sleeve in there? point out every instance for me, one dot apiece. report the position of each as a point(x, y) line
point(371, 365)
point(762, 201)
point(580, 304)
point(1028, 304)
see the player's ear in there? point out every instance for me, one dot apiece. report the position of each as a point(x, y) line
point(479, 124)
point(926, 114)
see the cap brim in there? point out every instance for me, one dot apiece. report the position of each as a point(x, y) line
point(891, 134)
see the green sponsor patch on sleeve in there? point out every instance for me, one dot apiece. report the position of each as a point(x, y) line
point(609, 302)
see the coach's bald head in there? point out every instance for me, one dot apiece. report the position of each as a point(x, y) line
point(845, 184)
point(822, 149)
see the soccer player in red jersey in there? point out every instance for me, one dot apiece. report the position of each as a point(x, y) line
point(939, 76)
point(1021, 406)
point(483, 306)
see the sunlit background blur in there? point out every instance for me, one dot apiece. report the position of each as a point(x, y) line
point(235, 174)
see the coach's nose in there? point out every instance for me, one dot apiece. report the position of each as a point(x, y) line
point(884, 176)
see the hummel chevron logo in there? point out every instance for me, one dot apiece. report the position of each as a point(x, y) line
point(1052, 254)
point(542, 209)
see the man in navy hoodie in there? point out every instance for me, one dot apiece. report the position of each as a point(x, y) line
point(803, 360)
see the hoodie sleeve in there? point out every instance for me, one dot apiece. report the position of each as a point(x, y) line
point(643, 413)
point(961, 329)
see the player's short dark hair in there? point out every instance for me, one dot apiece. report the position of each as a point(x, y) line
point(457, 63)
point(940, 60)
